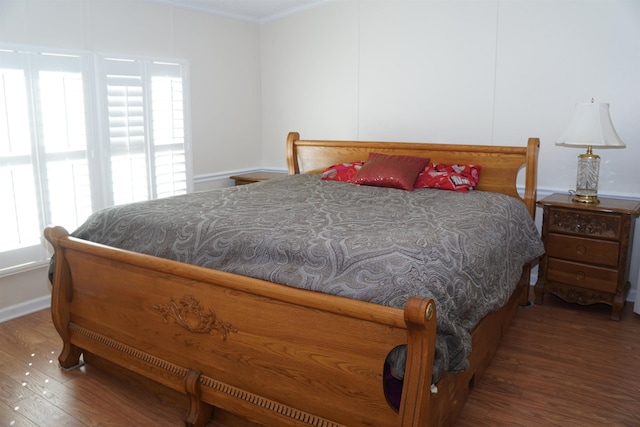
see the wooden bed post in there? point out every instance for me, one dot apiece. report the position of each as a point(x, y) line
point(530, 199)
point(530, 185)
point(420, 317)
point(62, 294)
point(292, 153)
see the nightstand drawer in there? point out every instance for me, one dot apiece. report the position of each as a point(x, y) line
point(585, 223)
point(582, 249)
point(582, 276)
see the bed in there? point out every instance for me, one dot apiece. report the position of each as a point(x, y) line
point(278, 341)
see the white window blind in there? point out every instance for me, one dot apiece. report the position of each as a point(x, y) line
point(168, 130)
point(145, 104)
point(61, 122)
point(80, 132)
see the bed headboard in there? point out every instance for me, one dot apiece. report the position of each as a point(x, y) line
point(500, 164)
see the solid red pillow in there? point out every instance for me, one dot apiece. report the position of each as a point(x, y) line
point(341, 172)
point(460, 178)
point(394, 171)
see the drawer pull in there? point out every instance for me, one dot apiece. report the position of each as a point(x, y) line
point(580, 275)
point(581, 249)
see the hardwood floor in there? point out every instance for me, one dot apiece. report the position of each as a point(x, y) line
point(562, 364)
point(558, 365)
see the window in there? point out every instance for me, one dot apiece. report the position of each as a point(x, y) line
point(80, 132)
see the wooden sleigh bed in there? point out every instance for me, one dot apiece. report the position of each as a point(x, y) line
point(272, 354)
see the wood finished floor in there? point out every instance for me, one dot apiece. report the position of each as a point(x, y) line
point(559, 365)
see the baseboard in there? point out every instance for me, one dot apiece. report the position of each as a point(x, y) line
point(25, 308)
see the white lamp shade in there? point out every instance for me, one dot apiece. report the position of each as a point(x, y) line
point(591, 126)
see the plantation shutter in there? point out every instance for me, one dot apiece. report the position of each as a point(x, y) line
point(18, 188)
point(170, 157)
point(63, 139)
point(80, 132)
point(43, 150)
point(127, 131)
point(146, 130)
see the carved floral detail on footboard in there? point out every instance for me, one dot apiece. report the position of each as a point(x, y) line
point(191, 315)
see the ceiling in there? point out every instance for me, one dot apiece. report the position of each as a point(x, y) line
point(250, 10)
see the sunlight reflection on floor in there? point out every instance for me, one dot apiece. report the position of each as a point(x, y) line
point(28, 381)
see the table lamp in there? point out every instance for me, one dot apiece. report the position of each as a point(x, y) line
point(590, 127)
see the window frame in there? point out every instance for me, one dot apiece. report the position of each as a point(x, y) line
point(20, 259)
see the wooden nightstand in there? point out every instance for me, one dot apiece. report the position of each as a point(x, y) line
point(588, 250)
point(250, 178)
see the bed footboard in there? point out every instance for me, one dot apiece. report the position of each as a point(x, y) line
point(274, 354)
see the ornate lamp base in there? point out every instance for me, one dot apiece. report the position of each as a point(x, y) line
point(587, 182)
point(585, 199)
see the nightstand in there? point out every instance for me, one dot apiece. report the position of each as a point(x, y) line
point(588, 250)
point(250, 178)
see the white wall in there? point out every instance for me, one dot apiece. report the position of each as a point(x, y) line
point(223, 54)
point(476, 71)
point(224, 62)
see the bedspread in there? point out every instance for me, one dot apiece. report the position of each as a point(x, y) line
point(381, 245)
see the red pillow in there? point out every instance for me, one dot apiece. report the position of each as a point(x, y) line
point(341, 172)
point(449, 177)
point(394, 171)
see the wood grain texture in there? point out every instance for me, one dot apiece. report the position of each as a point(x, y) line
point(500, 164)
point(559, 365)
point(567, 365)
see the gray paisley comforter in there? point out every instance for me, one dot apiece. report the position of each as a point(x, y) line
point(464, 250)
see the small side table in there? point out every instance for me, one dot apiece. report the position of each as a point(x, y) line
point(588, 248)
point(250, 178)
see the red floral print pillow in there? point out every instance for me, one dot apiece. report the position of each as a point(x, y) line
point(460, 178)
point(341, 172)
